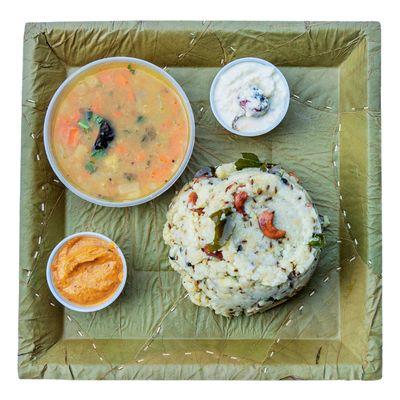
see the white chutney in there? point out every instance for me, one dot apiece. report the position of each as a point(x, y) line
point(250, 97)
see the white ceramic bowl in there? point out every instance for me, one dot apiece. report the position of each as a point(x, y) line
point(74, 306)
point(285, 106)
point(47, 132)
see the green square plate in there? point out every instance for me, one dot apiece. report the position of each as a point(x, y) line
point(330, 137)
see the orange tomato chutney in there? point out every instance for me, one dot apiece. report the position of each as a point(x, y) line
point(148, 125)
point(87, 270)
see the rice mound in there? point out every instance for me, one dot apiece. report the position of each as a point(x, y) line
point(250, 272)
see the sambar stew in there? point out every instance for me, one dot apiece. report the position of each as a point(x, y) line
point(119, 131)
point(87, 270)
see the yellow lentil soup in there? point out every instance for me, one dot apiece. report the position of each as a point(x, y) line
point(119, 131)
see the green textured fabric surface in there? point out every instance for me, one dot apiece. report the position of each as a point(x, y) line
point(330, 137)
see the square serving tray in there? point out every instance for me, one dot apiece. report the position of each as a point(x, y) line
point(330, 137)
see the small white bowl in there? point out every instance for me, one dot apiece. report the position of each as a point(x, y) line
point(74, 306)
point(49, 116)
point(214, 108)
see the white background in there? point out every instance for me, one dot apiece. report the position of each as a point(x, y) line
point(13, 16)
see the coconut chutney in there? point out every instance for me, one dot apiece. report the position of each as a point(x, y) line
point(250, 96)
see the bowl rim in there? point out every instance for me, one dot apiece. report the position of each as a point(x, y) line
point(214, 108)
point(73, 306)
point(47, 131)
